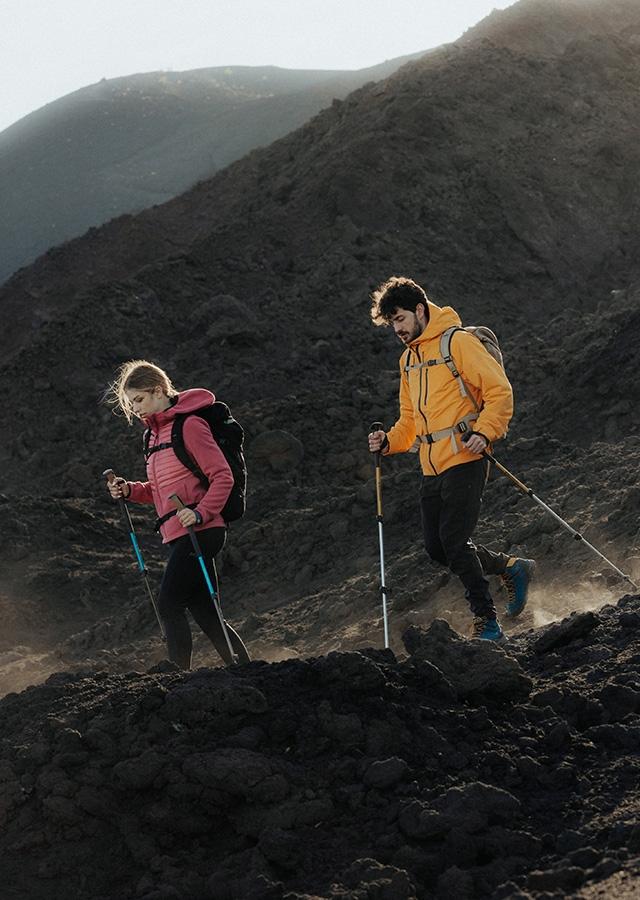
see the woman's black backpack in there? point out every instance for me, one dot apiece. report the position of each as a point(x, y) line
point(229, 436)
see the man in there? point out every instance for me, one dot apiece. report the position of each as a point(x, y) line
point(451, 422)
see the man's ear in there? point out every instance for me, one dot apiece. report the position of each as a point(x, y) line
point(421, 310)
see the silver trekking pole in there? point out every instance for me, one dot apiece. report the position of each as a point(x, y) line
point(212, 591)
point(109, 474)
point(576, 534)
point(377, 426)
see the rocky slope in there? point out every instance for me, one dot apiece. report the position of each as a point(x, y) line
point(460, 770)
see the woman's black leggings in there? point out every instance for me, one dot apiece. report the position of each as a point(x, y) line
point(183, 587)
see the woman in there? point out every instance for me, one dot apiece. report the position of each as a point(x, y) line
point(145, 391)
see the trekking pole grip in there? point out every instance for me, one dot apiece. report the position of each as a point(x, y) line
point(376, 426)
point(110, 475)
point(179, 505)
point(177, 502)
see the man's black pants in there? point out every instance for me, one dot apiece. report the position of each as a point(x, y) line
point(450, 506)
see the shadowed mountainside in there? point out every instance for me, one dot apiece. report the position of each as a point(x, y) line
point(127, 143)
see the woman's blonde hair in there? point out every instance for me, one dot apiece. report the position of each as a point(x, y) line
point(137, 375)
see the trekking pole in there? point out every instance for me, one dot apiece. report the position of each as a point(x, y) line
point(576, 534)
point(109, 474)
point(377, 426)
point(212, 591)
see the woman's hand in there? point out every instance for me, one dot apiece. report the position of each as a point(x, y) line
point(187, 517)
point(118, 488)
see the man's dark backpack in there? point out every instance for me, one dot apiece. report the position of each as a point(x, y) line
point(228, 435)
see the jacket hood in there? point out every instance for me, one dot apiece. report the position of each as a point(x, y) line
point(440, 318)
point(188, 401)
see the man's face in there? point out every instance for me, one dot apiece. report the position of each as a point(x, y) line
point(407, 325)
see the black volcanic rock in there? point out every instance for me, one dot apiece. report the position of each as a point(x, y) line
point(505, 181)
point(478, 670)
point(576, 626)
point(357, 780)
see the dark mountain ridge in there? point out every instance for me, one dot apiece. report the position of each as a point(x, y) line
point(127, 143)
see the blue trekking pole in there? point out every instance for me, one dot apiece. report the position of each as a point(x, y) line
point(109, 474)
point(212, 591)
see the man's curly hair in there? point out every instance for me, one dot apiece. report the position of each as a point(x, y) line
point(396, 293)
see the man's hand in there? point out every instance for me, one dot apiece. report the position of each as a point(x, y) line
point(377, 440)
point(475, 443)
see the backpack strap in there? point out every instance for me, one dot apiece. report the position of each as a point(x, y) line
point(177, 443)
point(420, 365)
point(448, 360)
point(445, 357)
point(460, 427)
point(151, 450)
point(147, 451)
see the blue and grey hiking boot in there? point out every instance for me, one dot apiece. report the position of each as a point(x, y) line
point(516, 580)
point(486, 629)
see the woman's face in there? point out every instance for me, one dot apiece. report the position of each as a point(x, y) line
point(147, 401)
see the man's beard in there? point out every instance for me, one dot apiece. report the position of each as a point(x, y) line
point(415, 332)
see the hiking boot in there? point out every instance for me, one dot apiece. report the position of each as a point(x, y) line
point(516, 579)
point(486, 629)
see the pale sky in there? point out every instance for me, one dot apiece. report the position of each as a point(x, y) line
point(49, 48)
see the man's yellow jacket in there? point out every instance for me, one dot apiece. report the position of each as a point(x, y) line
point(430, 397)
